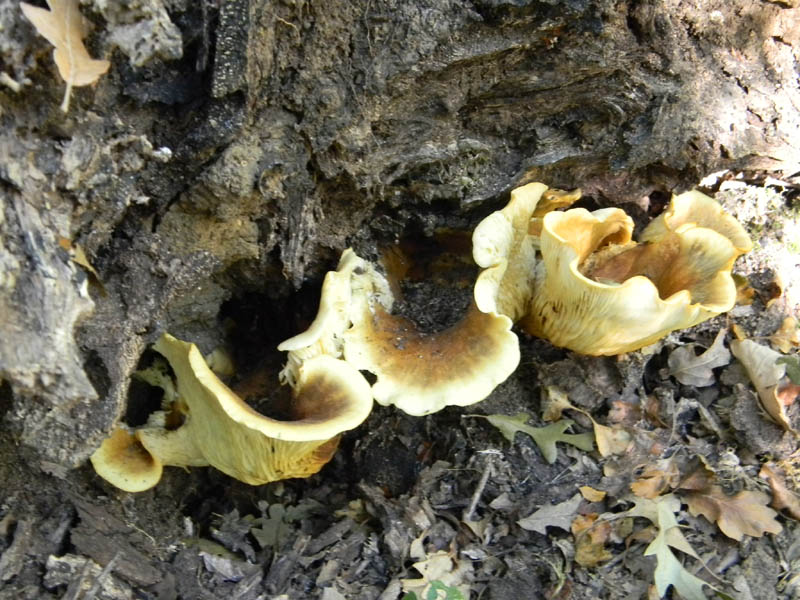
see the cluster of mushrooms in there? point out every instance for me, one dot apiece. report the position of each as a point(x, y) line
point(572, 276)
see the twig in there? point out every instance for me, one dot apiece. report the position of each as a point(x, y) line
point(476, 495)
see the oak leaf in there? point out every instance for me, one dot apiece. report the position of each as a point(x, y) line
point(64, 27)
point(545, 437)
point(692, 369)
point(744, 513)
point(765, 370)
point(669, 570)
point(552, 515)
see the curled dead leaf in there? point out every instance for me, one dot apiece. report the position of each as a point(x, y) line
point(782, 497)
point(656, 478)
point(692, 369)
point(766, 373)
point(591, 537)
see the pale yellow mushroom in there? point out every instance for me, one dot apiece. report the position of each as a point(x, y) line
point(221, 430)
point(506, 253)
point(597, 292)
point(324, 335)
point(421, 372)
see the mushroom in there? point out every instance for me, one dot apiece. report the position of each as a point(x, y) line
point(324, 335)
point(597, 292)
point(221, 430)
point(421, 373)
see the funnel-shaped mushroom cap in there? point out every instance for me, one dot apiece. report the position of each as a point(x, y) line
point(698, 209)
point(597, 293)
point(422, 373)
point(502, 247)
point(124, 462)
point(221, 430)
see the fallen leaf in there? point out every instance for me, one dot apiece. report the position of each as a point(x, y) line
point(782, 497)
point(744, 513)
point(64, 27)
point(656, 478)
point(439, 570)
point(591, 537)
point(692, 369)
point(738, 332)
point(554, 402)
point(545, 437)
point(610, 440)
point(591, 494)
point(552, 515)
point(787, 394)
point(787, 336)
point(669, 571)
point(765, 371)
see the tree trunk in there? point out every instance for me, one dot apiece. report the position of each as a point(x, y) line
point(232, 152)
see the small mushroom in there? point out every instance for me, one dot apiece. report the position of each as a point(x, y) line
point(505, 251)
point(221, 430)
point(324, 335)
point(597, 292)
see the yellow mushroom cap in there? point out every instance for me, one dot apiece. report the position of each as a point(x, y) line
point(598, 293)
point(124, 462)
point(221, 430)
point(702, 211)
point(422, 373)
point(502, 247)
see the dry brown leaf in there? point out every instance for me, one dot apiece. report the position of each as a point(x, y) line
point(745, 513)
point(591, 494)
point(692, 369)
point(64, 27)
point(699, 479)
point(782, 497)
point(738, 332)
point(591, 537)
point(554, 402)
point(787, 336)
point(656, 479)
point(766, 373)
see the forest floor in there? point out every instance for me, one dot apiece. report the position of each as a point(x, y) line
point(688, 482)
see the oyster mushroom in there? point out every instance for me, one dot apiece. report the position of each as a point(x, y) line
point(219, 429)
point(597, 292)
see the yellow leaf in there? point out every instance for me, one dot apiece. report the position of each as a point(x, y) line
point(787, 336)
point(591, 537)
point(745, 513)
point(591, 494)
point(63, 27)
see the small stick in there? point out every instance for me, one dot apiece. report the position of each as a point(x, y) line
point(476, 496)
